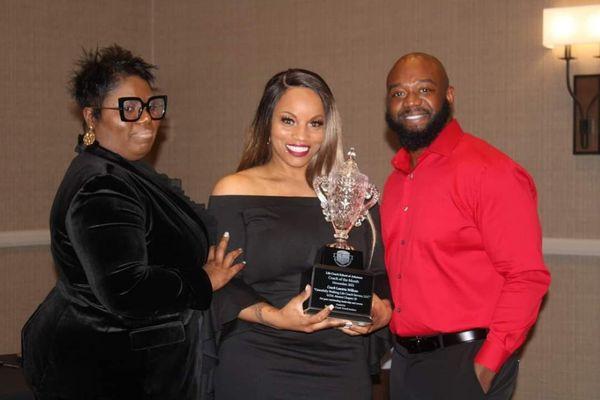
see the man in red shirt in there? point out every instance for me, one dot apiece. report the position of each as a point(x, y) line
point(463, 247)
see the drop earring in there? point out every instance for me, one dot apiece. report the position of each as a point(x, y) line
point(89, 137)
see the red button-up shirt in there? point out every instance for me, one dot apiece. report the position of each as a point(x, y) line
point(463, 244)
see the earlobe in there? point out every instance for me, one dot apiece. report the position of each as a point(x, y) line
point(88, 116)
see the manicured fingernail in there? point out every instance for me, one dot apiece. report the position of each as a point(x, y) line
point(330, 307)
point(244, 262)
point(226, 234)
point(307, 288)
point(348, 324)
point(240, 250)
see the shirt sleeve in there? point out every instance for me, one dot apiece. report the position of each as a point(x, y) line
point(237, 294)
point(107, 226)
point(508, 221)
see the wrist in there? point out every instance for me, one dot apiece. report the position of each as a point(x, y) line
point(270, 316)
point(383, 313)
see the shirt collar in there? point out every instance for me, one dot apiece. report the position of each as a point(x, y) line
point(443, 145)
point(447, 139)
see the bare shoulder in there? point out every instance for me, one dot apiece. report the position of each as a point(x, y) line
point(240, 183)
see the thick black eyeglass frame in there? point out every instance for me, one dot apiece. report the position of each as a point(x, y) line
point(145, 105)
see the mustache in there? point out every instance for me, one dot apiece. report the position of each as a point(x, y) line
point(414, 110)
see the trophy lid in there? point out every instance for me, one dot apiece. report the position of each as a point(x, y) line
point(352, 154)
point(349, 167)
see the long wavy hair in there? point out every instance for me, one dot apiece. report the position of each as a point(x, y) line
point(257, 150)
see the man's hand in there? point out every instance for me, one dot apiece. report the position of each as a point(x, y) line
point(485, 376)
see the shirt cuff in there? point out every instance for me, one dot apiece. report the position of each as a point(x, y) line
point(492, 356)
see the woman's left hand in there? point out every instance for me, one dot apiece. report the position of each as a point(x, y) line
point(219, 265)
point(381, 313)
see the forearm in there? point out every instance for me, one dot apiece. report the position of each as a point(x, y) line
point(290, 317)
point(261, 313)
point(157, 290)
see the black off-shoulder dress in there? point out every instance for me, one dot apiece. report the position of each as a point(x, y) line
point(280, 237)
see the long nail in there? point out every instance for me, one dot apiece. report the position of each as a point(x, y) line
point(330, 307)
point(226, 234)
point(307, 288)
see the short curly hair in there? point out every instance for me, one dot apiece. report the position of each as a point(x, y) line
point(99, 70)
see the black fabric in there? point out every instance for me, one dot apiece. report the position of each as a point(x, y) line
point(157, 335)
point(122, 321)
point(447, 374)
point(280, 237)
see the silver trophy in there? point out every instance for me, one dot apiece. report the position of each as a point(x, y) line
point(346, 197)
point(339, 277)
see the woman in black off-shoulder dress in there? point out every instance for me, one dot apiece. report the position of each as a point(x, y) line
point(270, 349)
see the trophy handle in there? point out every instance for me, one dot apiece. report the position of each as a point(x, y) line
point(372, 196)
point(320, 185)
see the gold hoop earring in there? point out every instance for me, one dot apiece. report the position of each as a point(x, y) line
point(89, 137)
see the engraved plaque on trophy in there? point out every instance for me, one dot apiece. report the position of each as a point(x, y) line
point(338, 277)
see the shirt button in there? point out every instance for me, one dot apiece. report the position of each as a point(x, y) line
point(399, 276)
point(405, 209)
point(398, 309)
point(403, 242)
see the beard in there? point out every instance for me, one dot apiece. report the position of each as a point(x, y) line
point(413, 140)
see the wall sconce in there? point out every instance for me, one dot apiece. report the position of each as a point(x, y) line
point(568, 26)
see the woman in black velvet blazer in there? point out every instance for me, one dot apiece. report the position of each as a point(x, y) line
point(132, 251)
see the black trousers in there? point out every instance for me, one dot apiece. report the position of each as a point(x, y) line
point(447, 374)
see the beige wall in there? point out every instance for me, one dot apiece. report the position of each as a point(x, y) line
point(215, 58)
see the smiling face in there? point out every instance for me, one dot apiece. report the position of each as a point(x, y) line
point(131, 140)
point(297, 128)
point(417, 90)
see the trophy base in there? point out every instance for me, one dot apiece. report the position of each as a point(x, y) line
point(348, 288)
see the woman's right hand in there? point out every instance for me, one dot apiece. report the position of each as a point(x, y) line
point(219, 266)
point(291, 317)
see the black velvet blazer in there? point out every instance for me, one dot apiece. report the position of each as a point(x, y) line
point(129, 249)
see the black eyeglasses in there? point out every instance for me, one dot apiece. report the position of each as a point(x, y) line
point(131, 108)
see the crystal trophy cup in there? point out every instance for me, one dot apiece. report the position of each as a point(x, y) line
point(338, 277)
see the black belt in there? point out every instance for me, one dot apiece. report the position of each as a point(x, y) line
point(420, 344)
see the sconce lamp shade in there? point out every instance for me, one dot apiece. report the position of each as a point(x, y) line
point(571, 25)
